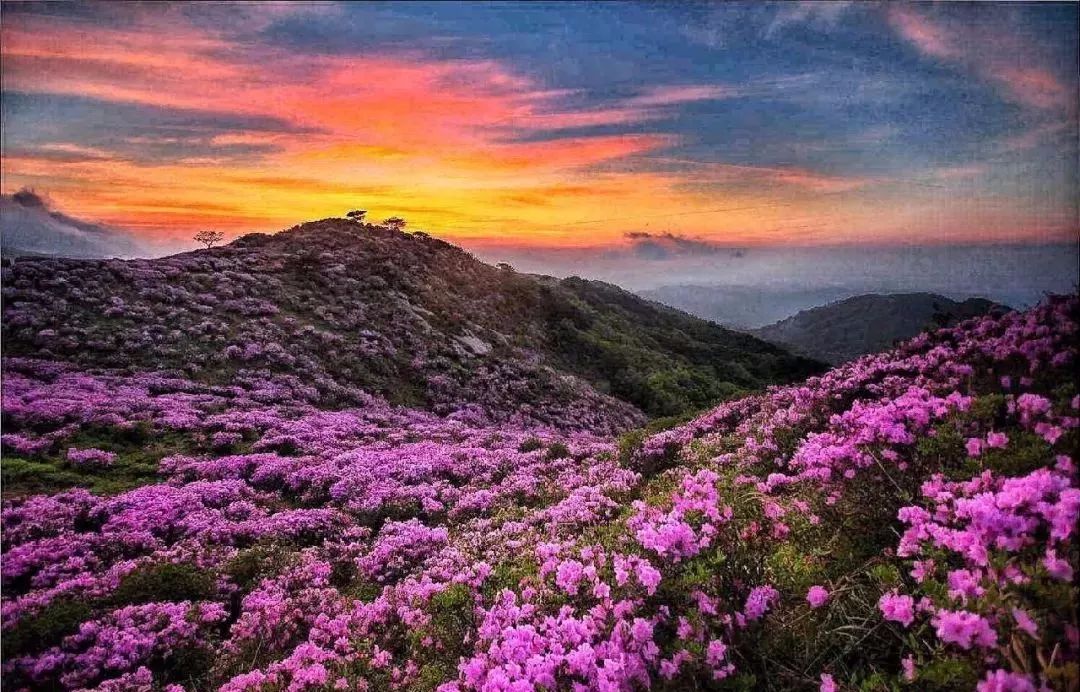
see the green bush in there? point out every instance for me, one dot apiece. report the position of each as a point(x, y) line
point(248, 567)
point(558, 450)
point(164, 581)
point(530, 445)
point(45, 629)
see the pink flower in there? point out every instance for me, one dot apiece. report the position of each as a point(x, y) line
point(1059, 568)
point(827, 683)
point(715, 653)
point(897, 608)
point(1025, 622)
point(909, 668)
point(997, 440)
point(964, 629)
point(648, 576)
point(817, 596)
point(568, 576)
point(1005, 681)
point(759, 600)
point(974, 446)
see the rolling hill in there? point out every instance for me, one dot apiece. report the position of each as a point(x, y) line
point(849, 328)
point(337, 310)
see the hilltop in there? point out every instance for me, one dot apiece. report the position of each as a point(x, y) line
point(853, 327)
point(336, 310)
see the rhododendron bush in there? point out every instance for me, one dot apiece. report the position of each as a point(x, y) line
point(905, 521)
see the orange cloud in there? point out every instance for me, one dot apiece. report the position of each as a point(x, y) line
point(397, 134)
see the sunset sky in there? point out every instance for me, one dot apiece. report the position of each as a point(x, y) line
point(553, 125)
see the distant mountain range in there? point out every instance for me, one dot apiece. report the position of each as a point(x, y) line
point(847, 329)
point(29, 228)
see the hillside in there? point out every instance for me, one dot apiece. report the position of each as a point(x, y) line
point(849, 328)
point(334, 309)
point(905, 521)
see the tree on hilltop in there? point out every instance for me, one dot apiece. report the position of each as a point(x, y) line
point(395, 223)
point(357, 215)
point(209, 238)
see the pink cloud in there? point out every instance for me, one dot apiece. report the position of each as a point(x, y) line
point(1036, 136)
point(779, 176)
point(680, 93)
point(1008, 60)
point(928, 37)
point(1034, 86)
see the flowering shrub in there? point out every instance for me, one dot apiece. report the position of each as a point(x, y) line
point(90, 457)
point(840, 533)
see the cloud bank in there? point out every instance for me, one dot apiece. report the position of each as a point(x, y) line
point(29, 227)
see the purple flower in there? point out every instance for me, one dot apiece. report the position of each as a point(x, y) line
point(1006, 681)
point(816, 596)
point(897, 608)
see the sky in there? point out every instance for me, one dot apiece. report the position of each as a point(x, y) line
point(567, 127)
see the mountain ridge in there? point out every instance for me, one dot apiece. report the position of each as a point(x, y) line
point(845, 329)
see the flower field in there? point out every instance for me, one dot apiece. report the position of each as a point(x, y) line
point(905, 521)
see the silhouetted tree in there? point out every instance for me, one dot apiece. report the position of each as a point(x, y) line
point(395, 223)
point(357, 214)
point(209, 238)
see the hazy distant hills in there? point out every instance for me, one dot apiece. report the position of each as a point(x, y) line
point(29, 228)
point(343, 307)
point(743, 307)
point(849, 328)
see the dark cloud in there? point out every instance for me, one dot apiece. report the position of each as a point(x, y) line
point(663, 246)
point(136, 132)
point(31, 227)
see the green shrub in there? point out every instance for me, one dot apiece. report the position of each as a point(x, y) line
point(948, 674)
point(47, 628)
point(557, 450)
point(451, 615)
point(629, 444)
point(530, 445)
point(164, 581)
point(248, 567)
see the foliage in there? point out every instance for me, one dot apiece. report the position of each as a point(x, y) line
point(209, 238)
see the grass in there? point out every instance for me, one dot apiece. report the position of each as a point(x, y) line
point(137, 457)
